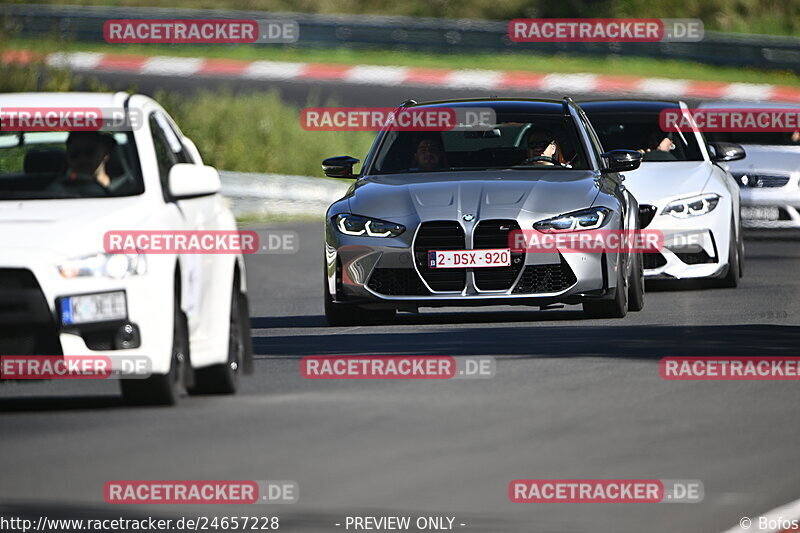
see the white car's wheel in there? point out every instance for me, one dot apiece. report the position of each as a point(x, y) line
point(731, 279)
point(224, 378)
point(164, 389)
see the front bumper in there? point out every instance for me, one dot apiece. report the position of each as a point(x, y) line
point(392, 273)
point(771, 207)
point(692, 248)
point(31, 321)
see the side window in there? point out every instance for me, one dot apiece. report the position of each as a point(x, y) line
point(173, 139)
point(165, 156)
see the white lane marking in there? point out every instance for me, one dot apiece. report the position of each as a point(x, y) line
point(663, 86)
point(747, 91)
point(790, 511)
point(376, 75)
point(76, 60)
point(473, 79)
point(184, 66)
point(273, 70)
point(578, 83)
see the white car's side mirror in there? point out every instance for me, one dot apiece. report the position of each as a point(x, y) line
point(188, 181)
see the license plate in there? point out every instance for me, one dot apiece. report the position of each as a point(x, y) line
point(760, 213)
point(90, 308)
point(498, 257)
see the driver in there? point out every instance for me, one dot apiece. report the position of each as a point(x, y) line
point(659, 147)
point(542, 147)
point(88, 153)
point(429, 154)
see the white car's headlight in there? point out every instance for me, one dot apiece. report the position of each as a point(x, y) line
point(692, 206)
point(593, 218)
point(115, 266)
point(366, 227)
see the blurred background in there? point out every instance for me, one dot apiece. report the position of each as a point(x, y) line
point(232, 98)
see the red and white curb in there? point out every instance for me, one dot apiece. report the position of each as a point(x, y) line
point(387, 76)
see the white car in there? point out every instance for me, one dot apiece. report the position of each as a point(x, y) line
point(62, 293)
point(681, 189)
point(769, 176)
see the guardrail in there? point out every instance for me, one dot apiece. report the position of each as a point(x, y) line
point(259, 195)
point(407, 33)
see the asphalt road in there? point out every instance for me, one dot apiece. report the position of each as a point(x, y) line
point(572, 399)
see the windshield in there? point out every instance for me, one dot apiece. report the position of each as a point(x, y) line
point(58, 165)
point(546, 142)
point(641, 131)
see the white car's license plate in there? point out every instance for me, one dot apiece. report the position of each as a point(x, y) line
point(88, 308)
point(760, 213)
point(497, 257)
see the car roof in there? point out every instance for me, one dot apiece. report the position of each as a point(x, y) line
point(504, 105)
point(57, 100)
point(628, 106)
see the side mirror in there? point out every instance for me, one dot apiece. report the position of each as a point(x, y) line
point(723, 151)
point(339, 167)
point(622, 160)
point(189, 181)
point(646, 214)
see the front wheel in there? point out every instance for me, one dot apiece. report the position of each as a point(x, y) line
point(731, 279)
point(636, 285)
point(164, 389)
point(343, 314)
point(224, 378)
point(616, 308)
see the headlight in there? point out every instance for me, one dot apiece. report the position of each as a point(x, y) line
point(369, 227)
point(116, 266)
point(692, 206)
point(584, 219)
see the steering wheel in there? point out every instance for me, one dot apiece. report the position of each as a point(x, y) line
point(541, 158)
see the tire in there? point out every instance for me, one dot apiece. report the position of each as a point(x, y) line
point(741, 253)
point(731, 279)
point(164, 389)
point(224, 378)
point(616, 308)
point(636, 285)
point(341, 314)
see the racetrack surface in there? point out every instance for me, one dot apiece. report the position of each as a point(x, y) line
point(572, 399)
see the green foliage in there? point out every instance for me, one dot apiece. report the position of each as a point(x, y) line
point(258, 132)
point(780, 17)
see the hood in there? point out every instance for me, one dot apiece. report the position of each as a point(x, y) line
point(653, 181)
point(66, 227)
point(768, 159)
point(486, 194)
